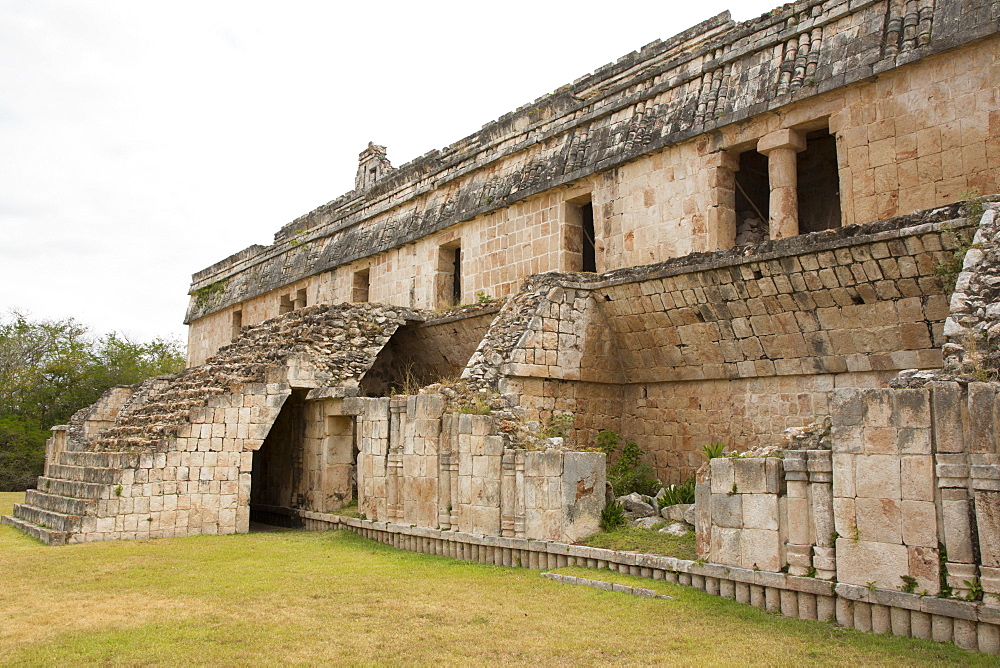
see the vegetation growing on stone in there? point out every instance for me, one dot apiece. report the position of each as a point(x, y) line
point(628, 473)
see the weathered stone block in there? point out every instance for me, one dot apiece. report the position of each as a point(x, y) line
point(760, 549)
point(947, 406)
point(917, 478)
point(725, 546)
point(879, 519)
point(845, 516)
point(878, 476)
point(723, 476)
point(727, 510)
point(760, 511)
point(988, 523)
point(861, 562)
point(919, 520)
point(750, 476)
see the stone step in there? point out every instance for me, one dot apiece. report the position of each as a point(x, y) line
point(47, 536)
point(84, 473)
point(47, 519)
point(66, 505)
point(108, 460)
point(74, 489)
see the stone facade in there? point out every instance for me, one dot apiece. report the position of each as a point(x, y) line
point(657, 145)
point(902, 507)
point(728, 236)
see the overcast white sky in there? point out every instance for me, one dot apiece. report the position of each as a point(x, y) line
point(143, 141)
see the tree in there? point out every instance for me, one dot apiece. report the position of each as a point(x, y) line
point(49, 369)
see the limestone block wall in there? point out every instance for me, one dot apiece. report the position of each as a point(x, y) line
point(652, 143)
point(967, 469)
point(904, 507)
point(884, 496)
point(730, 347)
point(421, 464)
point(200, 485)
point(179, 458)
point(674, 421)
point(748, 513)
point(809, 513)
point(773, 513)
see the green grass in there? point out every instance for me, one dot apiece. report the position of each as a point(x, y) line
point(296, 597)
point(349, 510)
point(633, 539)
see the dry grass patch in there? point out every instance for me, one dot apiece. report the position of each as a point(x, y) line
point(332, 597)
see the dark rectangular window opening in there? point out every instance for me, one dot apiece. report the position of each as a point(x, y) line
point(456, 280)
point(237, 323)
point(448, 277)
point(300, 298)
point(361, 289)
point(579, 238)
point(753, 195)
point(587, 223)
point(818, 183)
point(286, 305)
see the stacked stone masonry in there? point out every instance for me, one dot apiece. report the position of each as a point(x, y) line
point(652, 143)
point(744, 229)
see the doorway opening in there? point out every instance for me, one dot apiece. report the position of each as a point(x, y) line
point(339, 475)
point(277, 483)
point(361, 286)
point(818, 183)
point(580, 236)
point(753, 194)
point(448, 289)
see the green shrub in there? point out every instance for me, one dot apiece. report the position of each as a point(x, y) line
point(613, 516)
point(714, 450)
point(628, 473)
point(557, 426)
point(675, 494)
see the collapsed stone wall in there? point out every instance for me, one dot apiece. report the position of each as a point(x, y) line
point(897, 501)
point(267, 430)
point(973, 328)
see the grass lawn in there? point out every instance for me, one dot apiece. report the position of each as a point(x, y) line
point(332, 597)
point(633, 539)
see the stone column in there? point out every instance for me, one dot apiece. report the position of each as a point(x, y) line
point(781, 147)
point(444, 489)
point(54, 445)
point(799, 548)
point(952, 470)
point(394, 463)
point(985, 472)
point(508, 493)
point(519, 514)
point(821, 492)
point(720, 226)
point(453, 472)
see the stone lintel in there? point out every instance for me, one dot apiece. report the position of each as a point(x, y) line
point(787, 138)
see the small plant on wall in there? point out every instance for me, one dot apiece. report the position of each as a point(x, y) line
point(713, 450)
point(557, 426)
point(628, 473)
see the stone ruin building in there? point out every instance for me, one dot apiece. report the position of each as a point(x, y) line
point(740, 234)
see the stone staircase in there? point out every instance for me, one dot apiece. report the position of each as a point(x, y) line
point(104, 447)
point(66, 501)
